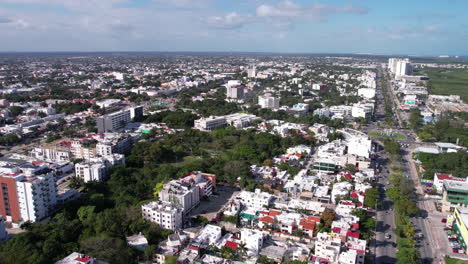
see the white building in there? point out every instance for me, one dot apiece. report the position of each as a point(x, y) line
point(253, 240)
point(268, 101)
point(341, 111)
point(362, 110)
point(327, 247)
point(367, 93)
point(358, 143)
point(78, 258)
point(210, 235)
point(37, 196)
point(252, 72)
point(54, 154)
point(340, 189)
point(210, 123)
point(106, 103)
point(163, 214)
point(113, 121)
point(180, 194)
point(90, 171)
point(257, 199)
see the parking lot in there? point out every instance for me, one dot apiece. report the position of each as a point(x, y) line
point(209, 208)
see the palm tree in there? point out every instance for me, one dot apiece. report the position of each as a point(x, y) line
point(242, 248)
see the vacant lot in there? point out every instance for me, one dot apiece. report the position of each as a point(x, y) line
point(448, 81)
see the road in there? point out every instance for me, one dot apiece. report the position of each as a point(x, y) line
point(430, 238)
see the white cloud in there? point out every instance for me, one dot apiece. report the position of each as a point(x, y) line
point(231, 20)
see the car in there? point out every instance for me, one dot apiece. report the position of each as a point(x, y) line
point(444, 220)
point(388, 236)
point(452, 239)
point(387, 226)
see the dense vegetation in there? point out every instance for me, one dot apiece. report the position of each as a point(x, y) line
point(98, 223)
point(455, 163)
point(447, 82)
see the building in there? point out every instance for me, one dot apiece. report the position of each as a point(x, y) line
point(234, 90)
point(439, 179)
point(210, 123)
point(119, 119)
point(327, 247)
point(362, 110)
point(319, 87)
point(210, 235)
point(53, 153)
point(460, 226)
point(258, 199)
point(455, 195)
point(106, 103)
point(205, 181)
point(252, 72)
point(268, 101)
point(299, 109)
point(163, 214)
point(90, 171)
point(400, 67)
point(78, 258)
point(253, 240)
point(27, 198)
point(180, 194)
point(3, 232)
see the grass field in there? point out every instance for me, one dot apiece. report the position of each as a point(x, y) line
point(380, 135)
point(448, 81)
point(455, 261)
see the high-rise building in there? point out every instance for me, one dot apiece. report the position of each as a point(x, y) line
point(234, 90)
point(27, 198)
point(400, 67)
point(268, 101)
point(119, 119)
point(181, 195)
point(252, 72)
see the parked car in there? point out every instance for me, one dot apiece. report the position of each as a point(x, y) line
point(388, 236)
point(444, 220)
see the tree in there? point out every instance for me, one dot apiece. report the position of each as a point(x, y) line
point(372, 195)
point(110, 249)
point(327, 217)
point(170, 260)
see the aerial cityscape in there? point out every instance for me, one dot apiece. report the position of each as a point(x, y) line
point(210, 132)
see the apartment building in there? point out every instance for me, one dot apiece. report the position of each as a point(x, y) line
point(253, 240)
point(96, 169)
point(27, 198)
point(51, 153)
point(119, 119)
point(268, 101)
point(234, 90)
point(163, 214)
point(257, 199)
point(205, 181)
point(327, 247)
point(181, 194)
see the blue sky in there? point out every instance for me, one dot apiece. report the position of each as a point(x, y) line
point(414, 27)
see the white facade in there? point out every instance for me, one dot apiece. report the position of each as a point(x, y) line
point(106, 103)
point(253, 240)
point(252, 72)
point(367, 93)
point(163, 214)
point(90, 171)
point(362, 110)
point(340, 189)
point(234, 91)
point(51, 154)
point(257, 199)
point(180, 194)
point(210, 123)
point(209, 235)
point(327, 247)
point(268, 101)
point(36, 196)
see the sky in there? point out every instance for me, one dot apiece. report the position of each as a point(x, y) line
point(406, 27)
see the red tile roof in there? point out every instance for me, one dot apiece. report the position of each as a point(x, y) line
point(232, 244)
point(267, 219)
point(83, 259)
point(353, 234)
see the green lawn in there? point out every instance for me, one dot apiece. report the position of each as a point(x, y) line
point(455, 261)
point(379, 135)
point(448, 81)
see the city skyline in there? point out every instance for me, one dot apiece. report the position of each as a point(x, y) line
point(337, 26)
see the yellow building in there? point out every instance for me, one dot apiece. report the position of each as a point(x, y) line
point(461, 226)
